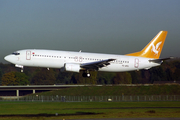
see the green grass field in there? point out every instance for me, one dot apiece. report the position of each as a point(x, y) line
point(77, 110)
point(116, 90)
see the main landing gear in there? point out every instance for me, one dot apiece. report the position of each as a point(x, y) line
point(86, 74)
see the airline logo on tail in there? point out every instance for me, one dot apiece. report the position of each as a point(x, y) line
point(153, 48)
point(156, 49)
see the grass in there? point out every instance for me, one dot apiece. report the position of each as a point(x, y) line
point(116, 90)
point(78, 110)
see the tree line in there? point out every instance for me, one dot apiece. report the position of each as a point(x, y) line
point(10, 75)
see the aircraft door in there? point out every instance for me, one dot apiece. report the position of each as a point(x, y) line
point(28, 55)
point(136, 62)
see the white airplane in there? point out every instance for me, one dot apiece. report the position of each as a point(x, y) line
point(82, 61)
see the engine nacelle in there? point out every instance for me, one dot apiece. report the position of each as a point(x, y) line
point(72, 67)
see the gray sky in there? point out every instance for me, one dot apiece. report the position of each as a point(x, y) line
point(101, 26)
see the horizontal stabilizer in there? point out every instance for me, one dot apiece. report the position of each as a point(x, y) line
point(160, 60)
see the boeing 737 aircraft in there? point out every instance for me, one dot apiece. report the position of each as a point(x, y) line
point(81, 61)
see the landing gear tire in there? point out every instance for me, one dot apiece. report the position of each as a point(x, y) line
point(86, 74)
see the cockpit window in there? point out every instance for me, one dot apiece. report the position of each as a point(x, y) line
point(16, 53)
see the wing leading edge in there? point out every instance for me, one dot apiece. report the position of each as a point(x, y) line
point(96, 65)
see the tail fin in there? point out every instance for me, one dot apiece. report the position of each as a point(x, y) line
point(153, 49)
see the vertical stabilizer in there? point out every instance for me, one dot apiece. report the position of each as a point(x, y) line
point(154, 48)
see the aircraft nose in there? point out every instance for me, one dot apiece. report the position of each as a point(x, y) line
point(7, 58)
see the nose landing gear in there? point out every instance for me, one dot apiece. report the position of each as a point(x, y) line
point(20, 66)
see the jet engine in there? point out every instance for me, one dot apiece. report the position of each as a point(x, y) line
point(72, 67)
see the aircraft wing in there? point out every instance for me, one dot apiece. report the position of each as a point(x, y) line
point(97, 64)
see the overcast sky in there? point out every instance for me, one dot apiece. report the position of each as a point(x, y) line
point(101, 26)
